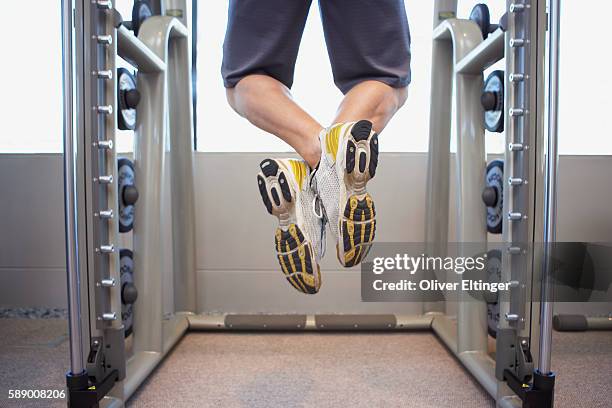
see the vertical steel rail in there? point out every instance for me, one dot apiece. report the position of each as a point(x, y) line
point(550, 203)
point(70, 192)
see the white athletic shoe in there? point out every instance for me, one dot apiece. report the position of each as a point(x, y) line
point(348, 162)
point(284, 186)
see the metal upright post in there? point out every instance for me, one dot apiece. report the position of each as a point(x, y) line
point(550, 205)
point(70, 161)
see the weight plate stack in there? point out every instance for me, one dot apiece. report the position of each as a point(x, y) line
point(482, 17)
point(492, 100)
point(140, 12)
point(493, 196)
point(128, 290)
point(128, 194)
point(128, 98)
point(494, 265)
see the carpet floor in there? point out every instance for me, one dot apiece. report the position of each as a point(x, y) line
point(34, 355)
point(301, 370)
point(311, 370)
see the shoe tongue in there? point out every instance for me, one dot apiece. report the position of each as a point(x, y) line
point(321, 137)
point(315, 168)
point(313, 172)
point(322, 133)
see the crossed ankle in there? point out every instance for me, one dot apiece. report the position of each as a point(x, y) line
point(312, 153)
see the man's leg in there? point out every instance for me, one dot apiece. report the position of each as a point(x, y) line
point(259, 53)
point(352, 145)
point(371, 100)
point(369, 49)
point(368, 43)
point(268, 104)
point(284, 184)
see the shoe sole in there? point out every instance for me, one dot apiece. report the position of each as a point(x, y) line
point(294, 252)
point(357, 227)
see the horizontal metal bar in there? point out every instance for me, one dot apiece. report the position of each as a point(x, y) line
point(178, 29)
point(482, 367)
point(446, 331)
point(511, 401)
point(307, 322)
point(484, 55)
point(599, 323)
point(138, 369)
point(479, 364)
point(142, 363)
point(130, 48)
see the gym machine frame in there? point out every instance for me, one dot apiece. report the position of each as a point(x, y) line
point(93, 37)
point(106, 368)
point(459, 57)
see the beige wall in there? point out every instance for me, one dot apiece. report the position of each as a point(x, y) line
point(237, 271)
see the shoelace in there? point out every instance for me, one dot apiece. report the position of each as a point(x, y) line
point(318, 209)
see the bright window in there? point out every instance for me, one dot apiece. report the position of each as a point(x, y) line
point(220, 129)
point(585, 83)
point(582, 102)
point(31, 77)
point(31, 83)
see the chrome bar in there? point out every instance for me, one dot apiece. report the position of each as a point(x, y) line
point(70, 192)
point(550, 200)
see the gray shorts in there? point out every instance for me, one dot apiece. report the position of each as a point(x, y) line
point(366, 40)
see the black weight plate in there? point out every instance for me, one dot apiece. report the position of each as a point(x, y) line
point(494, 265)
point(495, 178)
point(126, 119)
point(126, 177)
point(493, 274)
point(140, 12)
point(494, 116)
point(126, 268)
point(482, 17)
point(503, 22)
point(492, 318)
